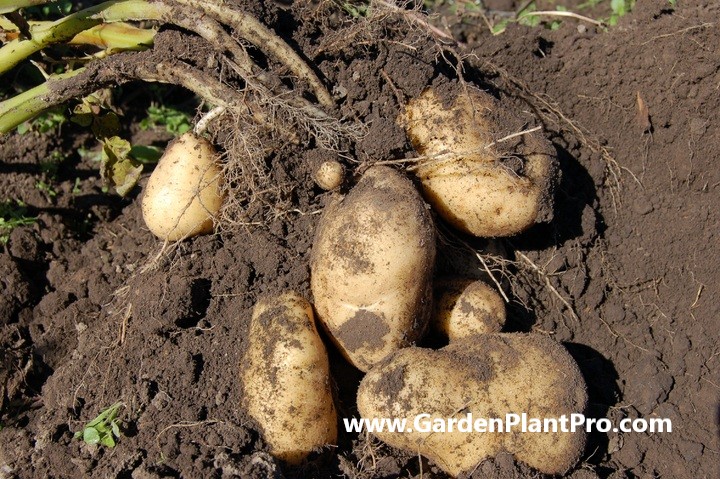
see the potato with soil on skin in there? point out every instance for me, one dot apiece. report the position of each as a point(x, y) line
point(371, 265)
point(486, 376)
point(464, 307)
point(480, 186)
point(285, 377)
point(329, 175)
point(183, 194)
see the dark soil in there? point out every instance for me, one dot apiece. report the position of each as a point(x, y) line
point(635, 257)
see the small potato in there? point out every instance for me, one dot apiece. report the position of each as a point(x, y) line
point(480, 185)
point(482, 377)
point(330, 175)
point(371, 264)
point(465, 307)
point(285, 377)
point(183, 194)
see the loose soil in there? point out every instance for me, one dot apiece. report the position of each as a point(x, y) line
point(625, 276)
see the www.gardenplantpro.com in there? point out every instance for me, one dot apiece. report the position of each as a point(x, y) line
point(510, 423)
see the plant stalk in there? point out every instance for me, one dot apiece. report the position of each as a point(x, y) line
point(68, 27)
point(7, 6)
point(30, 103)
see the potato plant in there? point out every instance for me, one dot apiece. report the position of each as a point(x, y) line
point(246, 98)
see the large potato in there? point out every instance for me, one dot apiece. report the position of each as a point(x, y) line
point(484, 187)
point(371, 265)
point(286, 378)
point(486, 376)
point(183, 194)
point(464, 307)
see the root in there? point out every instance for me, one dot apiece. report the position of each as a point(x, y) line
point(545, 278)
point(550, 113)
point(262, 37)
point(368, 453)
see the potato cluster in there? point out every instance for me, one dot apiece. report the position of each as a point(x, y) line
point(372, 267)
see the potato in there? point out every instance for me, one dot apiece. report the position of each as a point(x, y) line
point(371, 265)
point(330, 175)
point(485, 187)
point(285, 377)
point(482, 377)
point(464, 307)
point(183, 194)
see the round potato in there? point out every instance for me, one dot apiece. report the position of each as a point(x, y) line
point(330, 175)
point(183, 194)
point(476, 182)
point(371, 265)
point(482, 377)
point(285, 377)
point(464, 307)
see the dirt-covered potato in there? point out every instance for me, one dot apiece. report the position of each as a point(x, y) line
point(464, 307)
point(329, 175)
point(285, 377)
point(371, 265)
point(479, 378)
point(478, 183)
point(183, 193)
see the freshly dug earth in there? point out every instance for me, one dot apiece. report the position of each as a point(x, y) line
point(625, 276)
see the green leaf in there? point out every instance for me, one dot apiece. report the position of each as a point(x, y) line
point(146, 154)
point(117, 168)
point(91, 435)
point(500, 27)
point(82, 114)
point(115, 429)
point(175, 121)
point(107, 440)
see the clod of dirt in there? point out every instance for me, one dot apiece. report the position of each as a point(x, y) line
point(14, 289)
point(178, 301)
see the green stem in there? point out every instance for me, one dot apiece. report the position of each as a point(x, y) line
point(66, 28)
point(27, 104)
point(116, 37)
point(7, 6)
point(57, 89)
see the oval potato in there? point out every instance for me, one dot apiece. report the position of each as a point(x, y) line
point(371, 265)
point(285, 376)
point(486, 376)
point(465, 307)
point(479, 186)
point(183, 194)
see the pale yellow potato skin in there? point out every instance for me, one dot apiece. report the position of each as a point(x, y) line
point(488, 376)
point(465, 307)
point(330, 175)
point(371, 264)
point(183, 194)
point(471, 189)
point(285, 377)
